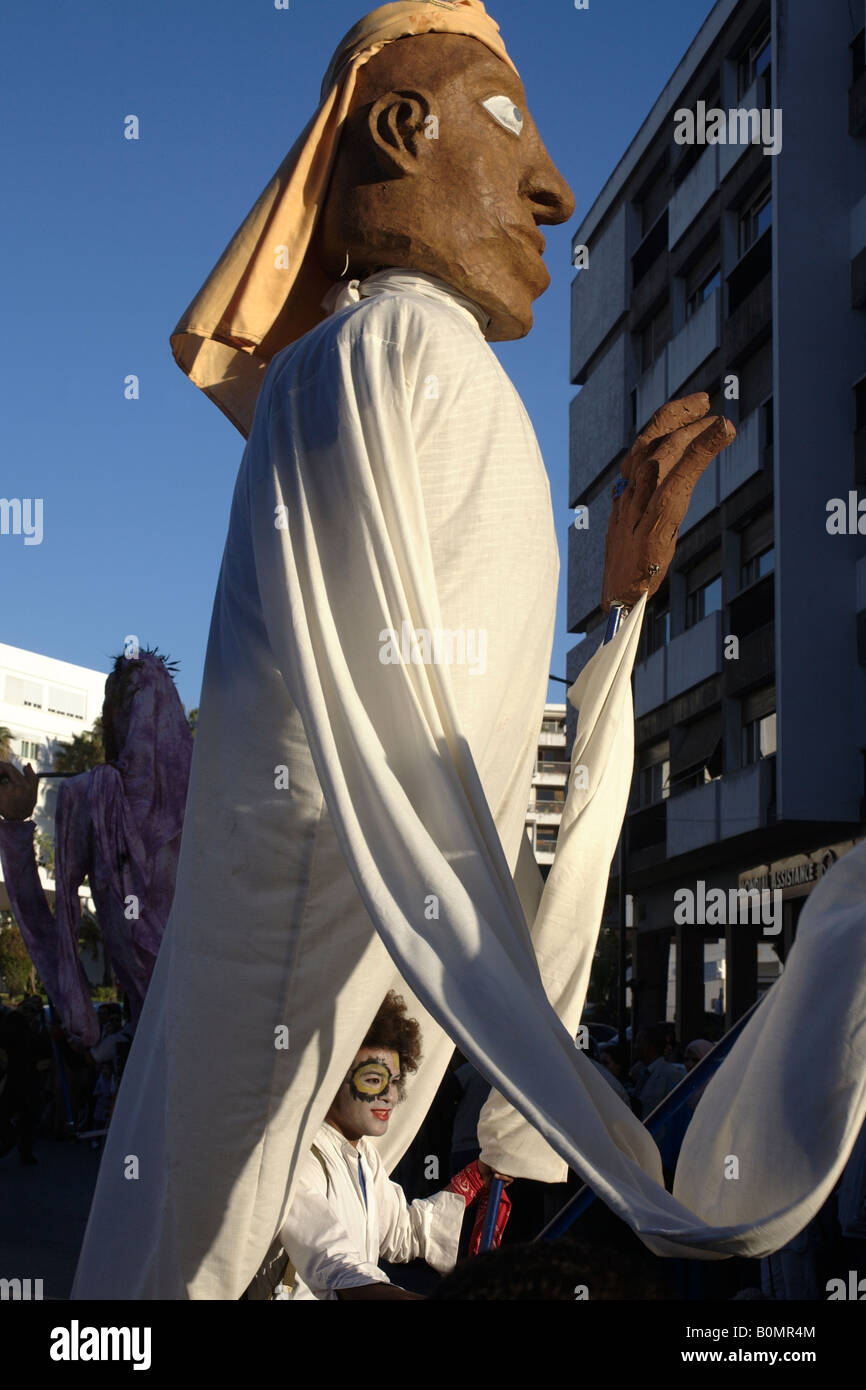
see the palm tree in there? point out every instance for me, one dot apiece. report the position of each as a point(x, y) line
point(83, 752)
point(6, 737)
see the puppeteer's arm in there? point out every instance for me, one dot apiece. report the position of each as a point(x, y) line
point(426, 1229)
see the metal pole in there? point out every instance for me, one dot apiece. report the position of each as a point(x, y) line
point(622, 1015)
point(489, 1228)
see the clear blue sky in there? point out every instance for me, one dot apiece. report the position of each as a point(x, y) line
point(105, 242)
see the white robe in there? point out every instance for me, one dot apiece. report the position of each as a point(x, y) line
point(336, 1231)
point(392, 476)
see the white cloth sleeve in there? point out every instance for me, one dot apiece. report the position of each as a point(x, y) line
point(426, 1229)
point(566, 925)
point(317, 1243)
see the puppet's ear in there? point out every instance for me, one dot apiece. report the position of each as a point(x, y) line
point(402, 126)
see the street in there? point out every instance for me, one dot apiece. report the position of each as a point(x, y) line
point(43, 1212)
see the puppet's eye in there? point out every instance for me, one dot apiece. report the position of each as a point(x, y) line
point(503, 110)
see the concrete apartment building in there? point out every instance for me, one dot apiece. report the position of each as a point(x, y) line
point(549, 782)
point(718, 267)
point(44, 702)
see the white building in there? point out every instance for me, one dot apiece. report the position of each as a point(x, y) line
point(44, 702)
point(549, 782)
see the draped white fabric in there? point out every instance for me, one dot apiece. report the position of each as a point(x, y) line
point(392, 482)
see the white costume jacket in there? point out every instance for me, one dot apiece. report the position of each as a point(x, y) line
point(337, 1230)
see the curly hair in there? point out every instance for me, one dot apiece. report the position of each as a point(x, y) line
point(392, 1029)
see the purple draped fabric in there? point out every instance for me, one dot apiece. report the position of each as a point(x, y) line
point(120, 826)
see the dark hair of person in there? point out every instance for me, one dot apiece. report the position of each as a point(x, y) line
point(392, 1029)
point(656, 1035)
point(556, 1271)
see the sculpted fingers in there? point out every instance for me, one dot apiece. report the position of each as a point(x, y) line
point(646, 478)
point(672, 498)
point(669, 450)
point(672, 416)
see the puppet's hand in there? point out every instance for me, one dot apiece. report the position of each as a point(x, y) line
point(661, 470)
point(18, 792)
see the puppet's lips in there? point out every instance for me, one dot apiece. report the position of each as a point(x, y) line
point(382, 1114)
point(533, 236)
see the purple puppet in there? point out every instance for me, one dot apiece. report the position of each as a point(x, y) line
point(119, 825)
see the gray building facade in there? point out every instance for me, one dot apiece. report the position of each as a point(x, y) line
point(736, 265)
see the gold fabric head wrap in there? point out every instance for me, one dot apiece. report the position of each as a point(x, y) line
point(265, 291)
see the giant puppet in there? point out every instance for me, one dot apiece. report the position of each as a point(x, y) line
point(375, 679)
point(119, 827)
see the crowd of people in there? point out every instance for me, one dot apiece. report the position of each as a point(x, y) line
point(51, 1086)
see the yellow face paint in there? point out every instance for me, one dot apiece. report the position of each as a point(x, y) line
point(371, 1079)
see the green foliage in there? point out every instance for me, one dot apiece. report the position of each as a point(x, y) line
point(83, 752)
point(89, 935)
point(6, 737)
point(16, 968)
point(192, 719)
point(604, 978)
point(45, 852)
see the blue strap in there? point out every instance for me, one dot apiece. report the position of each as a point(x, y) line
point(361, 1180)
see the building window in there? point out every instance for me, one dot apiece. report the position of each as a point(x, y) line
point(652, 339)
point(552, 726)
point(759, 739)
point(755, 218)
point(550, 794)
point(545, 836)
point(653, 195)
point(756, 62)
point(70, 703)
point(656, 631)
point(655, 783)
point(549, 755)
point(708, 286)
point(703, 601)
point(20, 691)
point(654, 244)
point(758, 566)
point(30, 751)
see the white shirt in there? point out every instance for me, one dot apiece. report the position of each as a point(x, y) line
point(335, 1236)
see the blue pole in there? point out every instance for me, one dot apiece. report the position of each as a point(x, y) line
point(493, 1200)
point(614, 622)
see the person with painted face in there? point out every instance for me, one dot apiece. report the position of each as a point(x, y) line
point(346, 1214)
